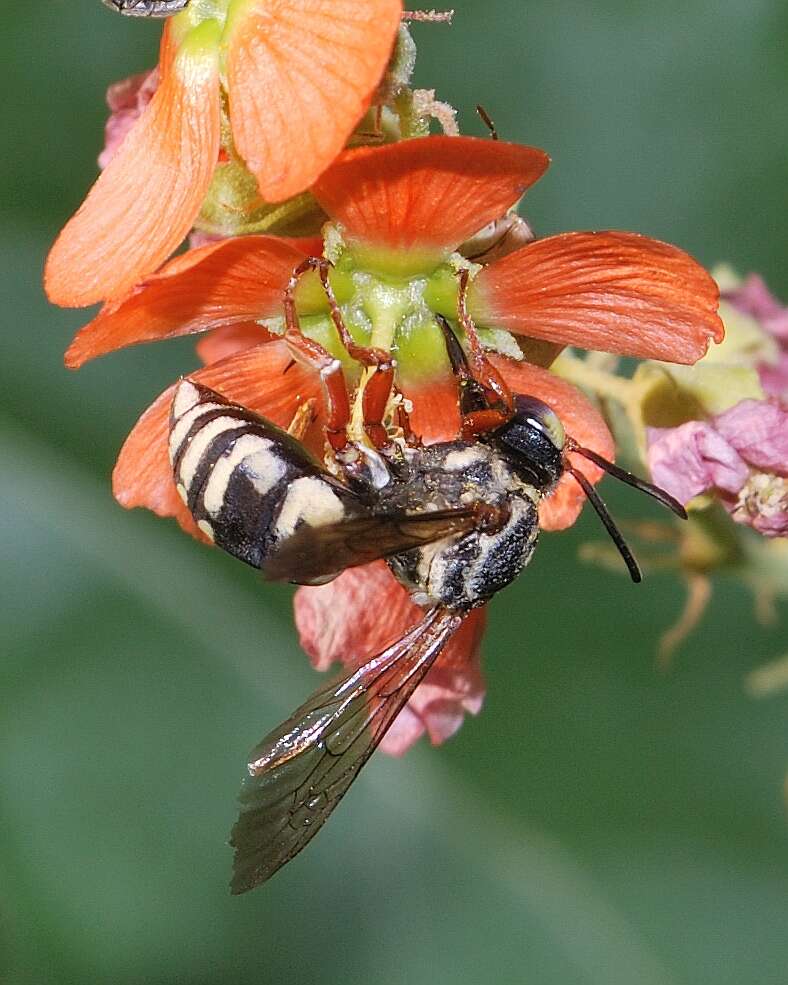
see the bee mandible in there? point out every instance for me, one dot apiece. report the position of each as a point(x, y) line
point(456, 521)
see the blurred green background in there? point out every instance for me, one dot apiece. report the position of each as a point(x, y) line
point(600, 822)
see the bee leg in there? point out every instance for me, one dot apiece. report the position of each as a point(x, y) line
point(412, 439)
point(374, 402)
point(480, 422)
point(313, 354)
point(478, 412)
point(499, 396)
point(302, 418)
point(377, 389)
point(378, 386)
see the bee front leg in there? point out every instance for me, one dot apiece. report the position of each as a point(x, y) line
point(499, 400)
point(477, 412)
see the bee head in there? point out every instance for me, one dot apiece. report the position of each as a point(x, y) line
point(533, 440)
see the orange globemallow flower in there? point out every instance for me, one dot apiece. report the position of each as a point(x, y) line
point(399, 213)
point(298, 76)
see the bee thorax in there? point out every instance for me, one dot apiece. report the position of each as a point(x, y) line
point(465, 571)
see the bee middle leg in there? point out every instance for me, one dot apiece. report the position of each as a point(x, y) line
point(377, 385)
point(302, 418)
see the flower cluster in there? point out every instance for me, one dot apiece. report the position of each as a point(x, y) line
point(734, 445)
point(290, 130)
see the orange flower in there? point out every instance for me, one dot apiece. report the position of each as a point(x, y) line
point(298, 75)
point(403, 209)
point(400, 211)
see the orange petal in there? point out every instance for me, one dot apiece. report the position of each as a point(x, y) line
point(581, 420)
point(433, 192)
point(146, 199)
point(300, 76)
point(234, 280)
point(229, 340)
point(168, 48)
point(363, 610)
point(436, 412)
point(616, 292)
point(264, 379)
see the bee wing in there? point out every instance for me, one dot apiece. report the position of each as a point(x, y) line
point(301, 770)
point(312, 554)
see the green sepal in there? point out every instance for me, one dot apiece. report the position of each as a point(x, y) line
point(420, 352)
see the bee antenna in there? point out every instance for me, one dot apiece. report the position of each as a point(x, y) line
point(602, 512)
point(631, 480)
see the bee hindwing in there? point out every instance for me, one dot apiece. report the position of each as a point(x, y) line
point(248, 484)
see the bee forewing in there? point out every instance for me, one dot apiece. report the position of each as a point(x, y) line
point(301, 770)
point(313, 552)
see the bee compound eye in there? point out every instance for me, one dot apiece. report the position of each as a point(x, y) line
point(541, 418)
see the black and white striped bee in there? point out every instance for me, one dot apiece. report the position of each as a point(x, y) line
point(456, 522)
point(146, 8)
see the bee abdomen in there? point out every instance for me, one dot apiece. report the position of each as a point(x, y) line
point(248, 484)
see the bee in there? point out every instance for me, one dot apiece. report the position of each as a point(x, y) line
point(146, 8)
point(456, 521)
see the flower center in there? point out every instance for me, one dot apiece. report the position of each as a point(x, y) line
point(389, 306)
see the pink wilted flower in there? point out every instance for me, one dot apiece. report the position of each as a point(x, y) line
point(752, 297)
point(126, 101)
point(740, 455)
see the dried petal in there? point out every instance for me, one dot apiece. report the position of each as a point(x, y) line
point(758, 430)
point(693, 458)
point(754, 298)
point(126, 99)
point(763, 505)
point(774, 379)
